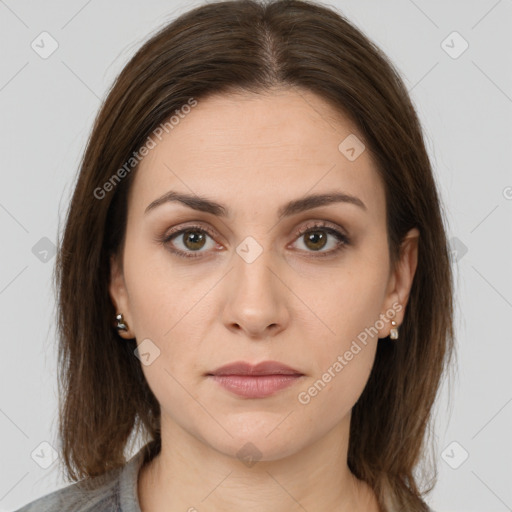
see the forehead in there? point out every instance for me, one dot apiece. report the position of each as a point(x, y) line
point(245, 147)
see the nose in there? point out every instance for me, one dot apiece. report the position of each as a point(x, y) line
point(256, 298)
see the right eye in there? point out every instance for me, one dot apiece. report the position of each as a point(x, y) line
point(191, 238)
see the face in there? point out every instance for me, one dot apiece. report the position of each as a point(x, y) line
point(310, 288)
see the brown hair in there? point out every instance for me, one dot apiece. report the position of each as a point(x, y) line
point(238, 46)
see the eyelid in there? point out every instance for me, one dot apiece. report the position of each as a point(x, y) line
point(319, 224)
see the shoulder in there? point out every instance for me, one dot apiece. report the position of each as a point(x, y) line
point(76, 498)
point(84, 496)
point(114, 490)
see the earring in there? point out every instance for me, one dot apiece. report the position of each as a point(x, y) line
point(393, 334)
point(121, 325)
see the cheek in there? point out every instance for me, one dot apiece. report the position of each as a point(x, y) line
point(335, 391)
point(166, 304)
point(348, 305)
point(157, 293)
point(341, 363)
point(343, 357)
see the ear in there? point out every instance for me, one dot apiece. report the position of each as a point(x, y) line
point(400, 282)
point(119, 296)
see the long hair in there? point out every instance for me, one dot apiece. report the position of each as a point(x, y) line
point(250, 46)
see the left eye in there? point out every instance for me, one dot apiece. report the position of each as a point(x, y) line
point(314, 238)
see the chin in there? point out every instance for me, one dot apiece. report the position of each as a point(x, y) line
point(257, 436)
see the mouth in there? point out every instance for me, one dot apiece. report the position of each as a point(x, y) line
point(263, 368)
point(255, 381)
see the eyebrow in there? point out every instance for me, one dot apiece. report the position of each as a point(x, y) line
point(293, 207)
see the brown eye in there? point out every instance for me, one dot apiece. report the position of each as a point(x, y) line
point(315, 240)
point(189, 242)
point(193, 239)
point(316, 237)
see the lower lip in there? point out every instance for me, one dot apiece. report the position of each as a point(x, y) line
point(252, 386)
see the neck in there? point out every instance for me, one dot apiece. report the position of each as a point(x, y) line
point(189, 475)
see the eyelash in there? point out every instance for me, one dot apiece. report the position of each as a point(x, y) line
point(343, 240)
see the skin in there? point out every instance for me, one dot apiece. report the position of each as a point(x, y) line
point(288, 305)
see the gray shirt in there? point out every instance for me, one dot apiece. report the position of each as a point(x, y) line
point(116, 491)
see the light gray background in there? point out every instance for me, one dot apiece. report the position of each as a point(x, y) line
point(465, 104)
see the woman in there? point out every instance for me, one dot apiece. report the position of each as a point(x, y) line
point(253, 277)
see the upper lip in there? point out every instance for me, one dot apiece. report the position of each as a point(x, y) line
point(263, 368)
